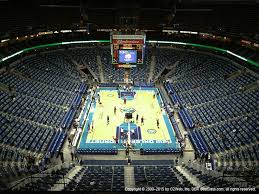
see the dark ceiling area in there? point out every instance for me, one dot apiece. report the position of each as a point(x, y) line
point(226, 16)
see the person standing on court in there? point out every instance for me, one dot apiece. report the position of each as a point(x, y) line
point(142, 120)
point(157, 123)
point(115, 110)
point(137, 118)
point(89, 128)
point(125, 100)
point(127, 152)
point(108, 120)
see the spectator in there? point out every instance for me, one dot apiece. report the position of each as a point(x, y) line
point(69, 141)
point(72, 155)
point(62, 157)
point(129, 160)
point(195, 155)
point(76, 156)
point(127, 152)
point(47, 158)
point(176, 161)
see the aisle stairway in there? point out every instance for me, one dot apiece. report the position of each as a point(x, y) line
point(129, 176)
point(193, 180)
point(100, 68)
point(60, 184)
point(152, 67)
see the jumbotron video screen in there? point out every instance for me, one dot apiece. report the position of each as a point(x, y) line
point(127, 50)
point(127, 56)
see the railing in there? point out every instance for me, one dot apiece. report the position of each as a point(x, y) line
point(32, 178)
point(220, 175)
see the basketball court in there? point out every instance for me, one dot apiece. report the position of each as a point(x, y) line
point(144, 102)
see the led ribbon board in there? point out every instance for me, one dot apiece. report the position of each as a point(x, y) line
point(150, 41)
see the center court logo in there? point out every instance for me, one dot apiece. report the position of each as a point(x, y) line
point(151, 131)
point(127, 110)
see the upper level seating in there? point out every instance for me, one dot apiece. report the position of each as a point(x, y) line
point(141, 72)
point(225, 108)
point(196, 70)
point(23, 134)
point(38, 93)
point(205, 86)
point(32, 109)
point(213, 92)
point(38, 90)
point(231, 134)
point(85, 56)
point(166, 57)
point(61, 59)
point(41, 70)
point(109, 71)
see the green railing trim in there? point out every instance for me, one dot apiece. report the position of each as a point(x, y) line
point(150, 41)
point(209, 48)
point(42, 46)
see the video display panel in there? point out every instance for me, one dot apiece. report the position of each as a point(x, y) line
point(127, 56)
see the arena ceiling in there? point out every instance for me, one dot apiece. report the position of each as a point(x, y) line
point(233, 16)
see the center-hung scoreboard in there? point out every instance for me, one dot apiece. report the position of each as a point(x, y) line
point(127, 50)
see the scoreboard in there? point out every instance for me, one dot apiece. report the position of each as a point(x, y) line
point(127, 50)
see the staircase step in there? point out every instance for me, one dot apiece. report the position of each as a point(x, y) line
point(100, 68)
point(59, 186)
point(152, 68)
point(129, 177)
point(193, 180)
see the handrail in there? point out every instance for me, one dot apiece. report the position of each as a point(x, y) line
point(39, 177)
point(59, 166)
